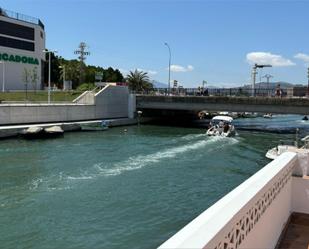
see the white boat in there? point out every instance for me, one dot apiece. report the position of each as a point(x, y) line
point(37, 132)
point(278, 150)
point(53, 131)
point(268, 115)
point(95, 126)
point(32, 132)
point(221, 126)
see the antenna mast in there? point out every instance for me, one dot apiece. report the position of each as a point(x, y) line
point(82, 57)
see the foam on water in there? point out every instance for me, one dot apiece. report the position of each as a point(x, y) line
point(138, 162)
point(64, 181)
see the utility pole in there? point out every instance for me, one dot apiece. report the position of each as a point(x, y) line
point(308, 81)
point(203, 84)
point(254, 73)
point(169, 68)
point(268, 76)
point(49, 52)
point(81, 51)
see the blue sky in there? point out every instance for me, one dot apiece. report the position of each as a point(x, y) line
point(210, 40)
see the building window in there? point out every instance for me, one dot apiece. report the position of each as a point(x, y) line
point(12, 29)
point(13, 43)
point(41, 34)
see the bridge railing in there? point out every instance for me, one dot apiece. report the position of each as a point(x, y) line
point(239, 92)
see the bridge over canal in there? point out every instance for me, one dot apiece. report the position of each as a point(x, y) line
point(231, 104)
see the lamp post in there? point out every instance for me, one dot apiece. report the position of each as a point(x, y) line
point(3, 75)
point(169, 68)
point(254, 73)
point(49, 70)
point(63, 67)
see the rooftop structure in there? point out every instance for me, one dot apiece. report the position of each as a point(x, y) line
point(22, 42)
point(21, 17)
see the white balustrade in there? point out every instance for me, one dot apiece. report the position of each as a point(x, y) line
point(252, 215)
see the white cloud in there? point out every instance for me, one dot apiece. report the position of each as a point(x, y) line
point(178, 68)
point(150, 72)
point(268, 58)
point(303, 57)
point(126, 72)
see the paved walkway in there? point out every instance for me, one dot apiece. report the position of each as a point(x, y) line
point(297, 233)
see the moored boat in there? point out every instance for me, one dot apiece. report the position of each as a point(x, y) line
point(37, 132)
point(32, 132)
point(95, 126)
point(273, 153)
point(54, 131)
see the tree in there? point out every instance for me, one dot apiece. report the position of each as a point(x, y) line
point(111, 75)
point(139, 81)
point(55, 70)
point(26, 78)
point(34, 77)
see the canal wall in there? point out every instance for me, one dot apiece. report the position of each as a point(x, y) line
point(109, 103)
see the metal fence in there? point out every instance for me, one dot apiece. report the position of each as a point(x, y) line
point(236, 92)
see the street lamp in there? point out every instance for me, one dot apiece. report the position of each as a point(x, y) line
point(254, 73)
point(3, 75)
point(63, 67)
point(49, 69)
point(169, 68)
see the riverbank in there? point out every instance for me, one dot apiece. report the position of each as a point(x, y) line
point(14, 130)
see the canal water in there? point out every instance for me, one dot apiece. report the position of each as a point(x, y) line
point(123, 189)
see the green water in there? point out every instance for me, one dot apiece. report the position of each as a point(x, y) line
point(117, 189)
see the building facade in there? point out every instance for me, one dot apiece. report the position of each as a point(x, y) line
point(22, 42)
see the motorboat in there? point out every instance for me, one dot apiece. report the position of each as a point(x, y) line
point(221, 126)
point(268, 115)
point(278, 150)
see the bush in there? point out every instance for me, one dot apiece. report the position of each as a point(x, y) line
point(85, 87)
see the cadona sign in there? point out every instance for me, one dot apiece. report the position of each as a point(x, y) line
point(19, 59)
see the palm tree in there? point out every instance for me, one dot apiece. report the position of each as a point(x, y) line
point(139, 81)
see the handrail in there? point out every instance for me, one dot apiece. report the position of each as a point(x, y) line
point(21, 17)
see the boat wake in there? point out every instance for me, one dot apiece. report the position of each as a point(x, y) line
point(138, 162)
point(194, 142)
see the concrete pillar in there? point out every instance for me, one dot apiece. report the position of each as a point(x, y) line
point(131, 105)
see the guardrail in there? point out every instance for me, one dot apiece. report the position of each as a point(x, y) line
point(21, 17)
point(253, 215)
point(238, 92)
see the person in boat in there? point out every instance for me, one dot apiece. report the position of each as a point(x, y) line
point(226, 127)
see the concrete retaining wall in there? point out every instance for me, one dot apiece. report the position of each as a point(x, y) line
point(110, 102)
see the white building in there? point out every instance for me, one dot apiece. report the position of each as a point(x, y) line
point(22, 41)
